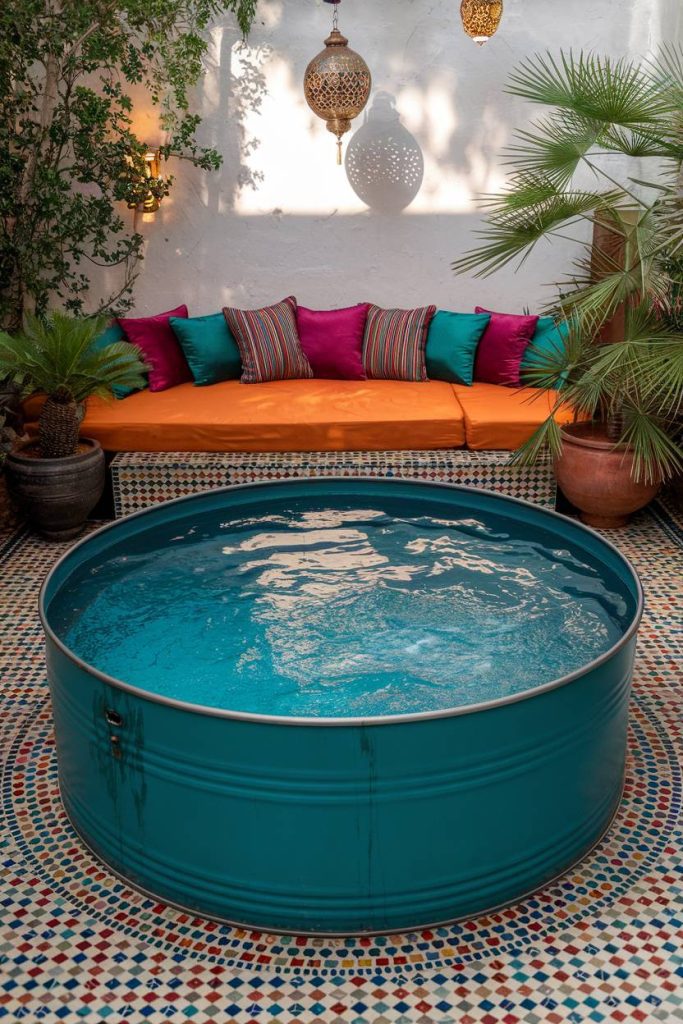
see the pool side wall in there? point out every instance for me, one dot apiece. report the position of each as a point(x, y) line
point(347, 828)
point(341, 826)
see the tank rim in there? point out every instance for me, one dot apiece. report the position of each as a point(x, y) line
point(368, 720)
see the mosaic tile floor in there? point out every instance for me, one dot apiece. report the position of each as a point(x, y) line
point(605, 943)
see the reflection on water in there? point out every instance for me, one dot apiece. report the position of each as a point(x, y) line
point(341, 611)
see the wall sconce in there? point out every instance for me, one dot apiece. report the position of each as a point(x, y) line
point(152, 160)
point(147, 186)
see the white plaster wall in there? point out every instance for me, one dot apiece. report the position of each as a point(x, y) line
point(281, 218)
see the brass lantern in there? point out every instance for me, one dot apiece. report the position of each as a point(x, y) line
point(337, 84)
point(481, 18)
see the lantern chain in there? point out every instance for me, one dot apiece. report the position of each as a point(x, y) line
point(335, 26)
point(337, 83)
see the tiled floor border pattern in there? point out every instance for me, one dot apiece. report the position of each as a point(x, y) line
point(602, 944)
point(145, 478)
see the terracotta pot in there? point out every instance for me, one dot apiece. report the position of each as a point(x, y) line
point(56, 495)
point(595, 476)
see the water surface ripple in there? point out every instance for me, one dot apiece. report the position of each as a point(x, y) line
point(337, 611)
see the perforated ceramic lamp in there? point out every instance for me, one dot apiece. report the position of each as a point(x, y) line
point(481, 18)
point(337, 84)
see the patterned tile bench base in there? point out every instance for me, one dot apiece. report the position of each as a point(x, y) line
point(141, 479)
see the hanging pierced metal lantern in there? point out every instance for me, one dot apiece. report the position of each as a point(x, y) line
point(481, 18)
point(337, 84)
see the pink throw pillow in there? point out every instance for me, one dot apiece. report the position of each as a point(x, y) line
point(160, 348)
point(332, 340)
point(502, 347)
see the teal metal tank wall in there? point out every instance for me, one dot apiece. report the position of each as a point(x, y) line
point(341, 825)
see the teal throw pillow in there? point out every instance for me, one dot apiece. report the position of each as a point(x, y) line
point(452, 345)
point(548, 339)
point(113, 334)
point(209, 347)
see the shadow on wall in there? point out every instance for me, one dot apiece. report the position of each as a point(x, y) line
point(334, 262)
point(277, 215)
point(384, 162)
point(442, 147)
point(238, 85)
point(276, 178)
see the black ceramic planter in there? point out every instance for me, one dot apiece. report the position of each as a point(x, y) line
point(56, 495)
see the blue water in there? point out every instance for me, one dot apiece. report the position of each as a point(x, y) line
point(330, 610)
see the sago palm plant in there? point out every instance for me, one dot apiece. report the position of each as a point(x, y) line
point(57, 357)
point(623, 362)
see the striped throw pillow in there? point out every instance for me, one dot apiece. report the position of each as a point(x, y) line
point(395, 340)
point(268, 342)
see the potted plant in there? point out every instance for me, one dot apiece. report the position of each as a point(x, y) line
point(57, 478)
point(10, 434)
point(621, 368)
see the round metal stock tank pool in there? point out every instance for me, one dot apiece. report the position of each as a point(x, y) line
point(341, 705)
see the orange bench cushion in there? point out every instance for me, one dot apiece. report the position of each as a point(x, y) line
point(500, 418)
point(281, 416)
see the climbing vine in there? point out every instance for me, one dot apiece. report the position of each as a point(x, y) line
point(70, 160)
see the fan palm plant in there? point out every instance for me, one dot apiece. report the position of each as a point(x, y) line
point(623, 361)
point(58, 357)
point(58, 481)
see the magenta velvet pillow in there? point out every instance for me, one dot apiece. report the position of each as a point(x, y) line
point(160, 348)
point(502, 347)
point(332, 340)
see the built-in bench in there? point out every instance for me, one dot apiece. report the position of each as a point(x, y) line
point(189, 438)
point(141, 479)
point(317, 415)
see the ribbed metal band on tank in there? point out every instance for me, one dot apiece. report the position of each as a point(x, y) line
point(364, 932)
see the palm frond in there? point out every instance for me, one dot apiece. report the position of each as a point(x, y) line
point(554, 146)
point(639, 143)
point(647, 367)
point(524, 190)
point(613, 92)
point(646, 183)
point(546, 438)
point(656, 455)
point(665, 71)
point(667, 211)
point(587, 394)
point(600, 299)
point(58, 355)
point(551, 367)
point(517, 223)
point(531, 192)
point(602, 280)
